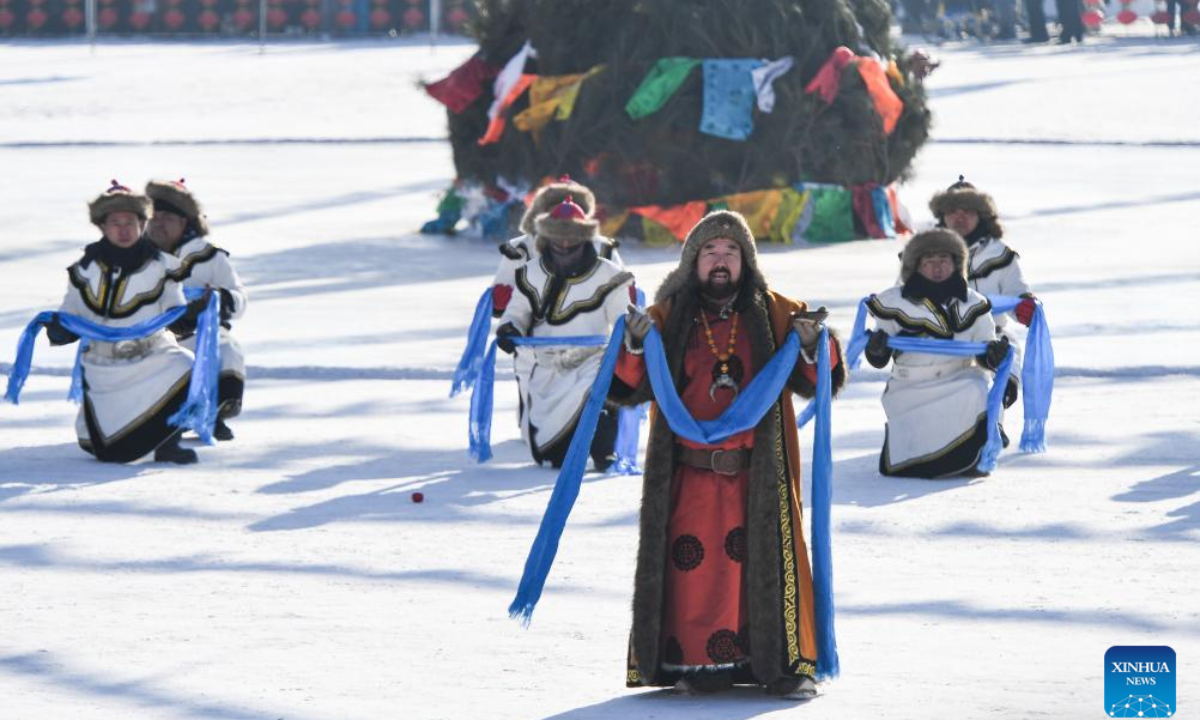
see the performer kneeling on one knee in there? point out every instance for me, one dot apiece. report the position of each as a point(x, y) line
point(993, 268)
point(936, 405)
point(723, 592)
point(525, 249)
point(179, 227)
point(568, 291)
point(130, 387)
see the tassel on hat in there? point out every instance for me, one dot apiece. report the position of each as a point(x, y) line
point(566, 222)
point(553, 194)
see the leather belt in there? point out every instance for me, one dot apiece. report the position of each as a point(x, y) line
point(722, 462)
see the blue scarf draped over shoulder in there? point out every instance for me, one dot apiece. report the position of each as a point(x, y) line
point(746, 411)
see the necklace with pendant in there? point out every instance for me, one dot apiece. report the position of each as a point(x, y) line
point(727, 371)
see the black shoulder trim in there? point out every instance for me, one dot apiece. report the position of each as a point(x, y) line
point(1003, 260)
point(513, 253)
point(184, 271)
point(920, 326)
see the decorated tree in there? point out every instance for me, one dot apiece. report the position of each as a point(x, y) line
point(670, 107)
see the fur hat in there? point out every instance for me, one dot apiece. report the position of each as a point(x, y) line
point(962, 195)
point(552, 195)
point(722, 223)
point(939, 240)
point(566, 222)
point(118, 198)
point(181, 200)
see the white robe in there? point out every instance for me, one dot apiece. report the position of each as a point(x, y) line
point(559, 378)
point(513, 254)
point(209, 266)
point(995, 269)
point(130, 385)
point(933, 402)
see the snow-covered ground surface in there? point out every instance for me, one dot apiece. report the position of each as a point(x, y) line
point(289, 575)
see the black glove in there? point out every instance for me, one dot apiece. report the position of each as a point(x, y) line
point(996, 352)
point(197, 306)
point(1010, 392)
point(57, 334)
point(504, 338)
point(878, 352)
point(186, 324)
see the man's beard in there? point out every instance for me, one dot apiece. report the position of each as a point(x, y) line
point(719, 291)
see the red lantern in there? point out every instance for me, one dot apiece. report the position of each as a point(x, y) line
point(72, 17)
point(174, 19)
point(139, 20)
point(1192, 17)
point(345, 19)
point(243, 18)
point(380, 18)
point(1161, 17)
point(6, 17)
point(310, 19)
point(208, 20)
point(1126, 16)
point(457, 18)
point(106, 18)
point(413, 18)
point(35, 18)
point(276, 17)
point(1093, 18)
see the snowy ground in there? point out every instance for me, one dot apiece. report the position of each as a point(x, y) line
point(290, 576)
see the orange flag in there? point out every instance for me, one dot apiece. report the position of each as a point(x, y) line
point(678, 219)
point(496, 126)
point(887, 102)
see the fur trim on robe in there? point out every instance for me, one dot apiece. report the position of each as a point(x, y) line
point(782, 637)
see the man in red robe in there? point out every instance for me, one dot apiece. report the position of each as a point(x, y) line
point(723, 591)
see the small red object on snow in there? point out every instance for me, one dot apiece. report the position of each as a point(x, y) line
point(418, 497)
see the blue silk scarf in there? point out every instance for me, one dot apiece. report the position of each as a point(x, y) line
point(198, 412)
point(747, 410)
point(1037, 369)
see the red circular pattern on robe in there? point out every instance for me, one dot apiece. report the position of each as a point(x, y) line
point(687, 552)
point(735, 544)
point(723, 646)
